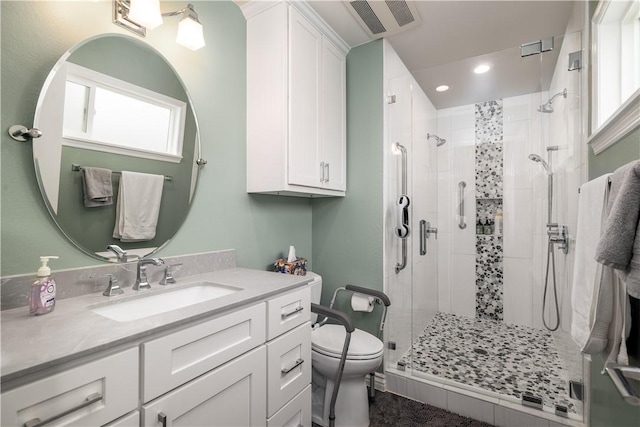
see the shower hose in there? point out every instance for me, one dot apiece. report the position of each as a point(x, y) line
point(550, 256)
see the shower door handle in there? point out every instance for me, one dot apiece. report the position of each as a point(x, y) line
point(423, 237)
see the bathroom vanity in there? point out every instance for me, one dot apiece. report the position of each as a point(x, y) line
point(243, 358)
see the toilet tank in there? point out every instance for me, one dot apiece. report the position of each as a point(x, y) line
point(316, 292)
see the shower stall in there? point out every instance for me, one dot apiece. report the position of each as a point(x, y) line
point(481, 310)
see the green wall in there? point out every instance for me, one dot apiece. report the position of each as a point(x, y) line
point(347, 232)
point(607, 407)
point(35, 34)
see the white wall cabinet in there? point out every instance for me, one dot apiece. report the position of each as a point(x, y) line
point(296, 108)
point(246, 367)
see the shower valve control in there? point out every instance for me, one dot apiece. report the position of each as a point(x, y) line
point(559, 234)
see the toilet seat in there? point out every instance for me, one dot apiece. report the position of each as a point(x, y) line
point(329, 340)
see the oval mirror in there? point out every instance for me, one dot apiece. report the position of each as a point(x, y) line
point(113, 102)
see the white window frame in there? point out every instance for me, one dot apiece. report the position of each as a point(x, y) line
point(92, 79)
point(610, 74)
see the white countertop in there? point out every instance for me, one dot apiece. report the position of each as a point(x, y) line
point(32, 343)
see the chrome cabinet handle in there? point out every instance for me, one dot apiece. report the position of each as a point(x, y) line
point(285, 371)
point(291, 313)
point(327, 166)
point(461, 223)
point(322, 171)
point(90, 400)
point(162, 418)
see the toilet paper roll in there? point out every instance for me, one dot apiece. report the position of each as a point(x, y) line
point(361, 302)
point(292, 254)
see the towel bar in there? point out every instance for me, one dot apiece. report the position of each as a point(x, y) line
point(78, 168)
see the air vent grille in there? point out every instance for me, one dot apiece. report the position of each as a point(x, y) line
point(368, 16)
point(400, 11)
point(384, 18)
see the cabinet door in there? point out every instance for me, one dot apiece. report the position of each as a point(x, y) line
point(232, 395)
point(333, 117)
point(304, 66)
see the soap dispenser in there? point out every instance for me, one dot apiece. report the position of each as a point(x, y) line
point(42, 298)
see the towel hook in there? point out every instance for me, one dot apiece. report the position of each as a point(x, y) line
point(22, 133)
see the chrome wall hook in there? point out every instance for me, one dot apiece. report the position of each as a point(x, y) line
point(22, 133)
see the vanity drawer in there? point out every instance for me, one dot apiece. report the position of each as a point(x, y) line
point(288, 366)
point(91, 394)
point(296, 413)
point(288, 311)
point(176, 358)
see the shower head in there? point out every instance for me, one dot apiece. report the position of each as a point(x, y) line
point(536, 158)
point(547, 107)
point(439, 141)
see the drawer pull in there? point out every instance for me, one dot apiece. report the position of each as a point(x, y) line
point(90, 400)
point(285, 371)
point(291, 313)
point(162, 418)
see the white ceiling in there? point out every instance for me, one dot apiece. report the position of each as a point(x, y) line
point(456, 35)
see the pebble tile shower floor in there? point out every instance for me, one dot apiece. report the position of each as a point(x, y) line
point(494, 356)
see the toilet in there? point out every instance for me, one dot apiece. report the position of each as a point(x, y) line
point(364, 356)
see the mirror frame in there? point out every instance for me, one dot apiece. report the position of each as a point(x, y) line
point(198, 162)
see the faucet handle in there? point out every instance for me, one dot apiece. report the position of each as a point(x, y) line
point(113, 288)
point(168, 278)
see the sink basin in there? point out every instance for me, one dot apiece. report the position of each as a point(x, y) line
point(151, 305)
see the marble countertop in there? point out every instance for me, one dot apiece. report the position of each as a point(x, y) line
point(72, 330)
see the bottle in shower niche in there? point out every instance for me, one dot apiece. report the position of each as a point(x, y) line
point(42, 298)
point(479, 227)
point(497, 229)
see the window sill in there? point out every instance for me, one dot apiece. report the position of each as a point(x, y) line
point(620, 124)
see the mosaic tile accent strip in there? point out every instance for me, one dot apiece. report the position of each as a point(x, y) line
point(486, 208)
point(507, 359)
point(489, 119)
point(489, 289)
point(489, 167)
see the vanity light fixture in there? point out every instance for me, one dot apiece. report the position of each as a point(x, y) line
point(139, 15)
point(481, 69)
point(442, 88)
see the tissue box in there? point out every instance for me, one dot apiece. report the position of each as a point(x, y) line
point(297, 267)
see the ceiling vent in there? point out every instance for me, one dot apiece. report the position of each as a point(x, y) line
point(384, 18)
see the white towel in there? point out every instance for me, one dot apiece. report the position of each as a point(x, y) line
point(138, 206)
point(588, 330)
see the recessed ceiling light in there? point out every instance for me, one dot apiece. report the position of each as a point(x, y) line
point(442, 88)
point(480, 69)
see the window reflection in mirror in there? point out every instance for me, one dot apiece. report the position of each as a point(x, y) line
point(101, 112)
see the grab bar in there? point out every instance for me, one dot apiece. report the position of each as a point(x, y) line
point(620, 380)
point(403, 211)
point(461, 223)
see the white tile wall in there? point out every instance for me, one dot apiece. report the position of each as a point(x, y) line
point(463, 284)
point(517, 291)
point(518, 223)
point(470, 407)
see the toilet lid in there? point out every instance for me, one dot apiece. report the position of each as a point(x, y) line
point(329, 340)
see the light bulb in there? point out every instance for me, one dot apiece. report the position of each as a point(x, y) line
point(145, 13)
point(190, 34)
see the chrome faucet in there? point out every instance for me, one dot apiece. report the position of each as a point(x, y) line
point(121, 254)
point(141, 276)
